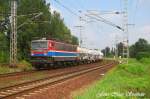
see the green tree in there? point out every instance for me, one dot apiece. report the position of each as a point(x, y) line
point(4, 41)
point(140, 48)
point(49, 25)
point(75, 40)
point(120, 49)
point(106, 51)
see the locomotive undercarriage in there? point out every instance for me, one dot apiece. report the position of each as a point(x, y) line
point(51, 62)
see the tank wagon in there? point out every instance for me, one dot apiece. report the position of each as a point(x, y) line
point(50, 53)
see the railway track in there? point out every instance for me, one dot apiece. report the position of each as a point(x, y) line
point(2, 76)
point(21, 77)
point(15, 90)
point(17, 73)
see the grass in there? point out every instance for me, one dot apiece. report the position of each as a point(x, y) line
point(130, 81)
point(22, 66)
point(6, 69)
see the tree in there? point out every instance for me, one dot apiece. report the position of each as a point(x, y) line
point(132, 51)
point(141, 45)
point(106, 51)
point(4, 41)
point(112, 51)
point(49, 25)
point(120, 49)
point(75, 40)
point(140, 48)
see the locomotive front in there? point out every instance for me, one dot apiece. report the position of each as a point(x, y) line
point(39, 52)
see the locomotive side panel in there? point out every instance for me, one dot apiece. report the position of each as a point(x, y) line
point(65, 52)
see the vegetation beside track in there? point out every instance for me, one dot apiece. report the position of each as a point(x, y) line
point(124, 81)
point(22, 66)
point(6, 69)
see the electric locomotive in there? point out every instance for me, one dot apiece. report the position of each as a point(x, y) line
point(45, 53)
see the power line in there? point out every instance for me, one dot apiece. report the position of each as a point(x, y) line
point(69, 10)
point(105, 21)
point(72, 12)
point(34, 17)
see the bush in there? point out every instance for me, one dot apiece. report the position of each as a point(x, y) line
point(4, 57)
point(141, 55)
point(145, 60)
point(134, 68)
point(24, 65)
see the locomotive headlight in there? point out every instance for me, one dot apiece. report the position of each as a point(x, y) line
point(32, 54)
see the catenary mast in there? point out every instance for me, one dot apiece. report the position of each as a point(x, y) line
point(13, 34)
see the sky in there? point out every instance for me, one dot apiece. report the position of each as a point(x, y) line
point(96, 34)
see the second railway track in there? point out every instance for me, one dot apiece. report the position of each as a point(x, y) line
point(15, 90)
point(16, 74)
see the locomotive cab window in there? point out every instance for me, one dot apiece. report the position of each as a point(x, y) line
point(39, 45)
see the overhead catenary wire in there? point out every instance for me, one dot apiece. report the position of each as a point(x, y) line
point(39, 14)
point(105, 21)
point(69, 10)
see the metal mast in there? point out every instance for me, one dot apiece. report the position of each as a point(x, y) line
point(80, 33)
point(125, 35)
point(13, 35)
point(116, 47)
point(80, 28)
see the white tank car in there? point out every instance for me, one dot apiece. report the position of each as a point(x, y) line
point(96, 55)
point(83, 53)
point(90, 55)
point(101, 55)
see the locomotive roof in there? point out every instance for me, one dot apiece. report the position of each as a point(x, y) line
point(54, 41)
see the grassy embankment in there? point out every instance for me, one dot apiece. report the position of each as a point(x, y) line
point(22, 66)
point(123, 82)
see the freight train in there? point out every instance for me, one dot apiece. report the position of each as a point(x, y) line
point(51, 53)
